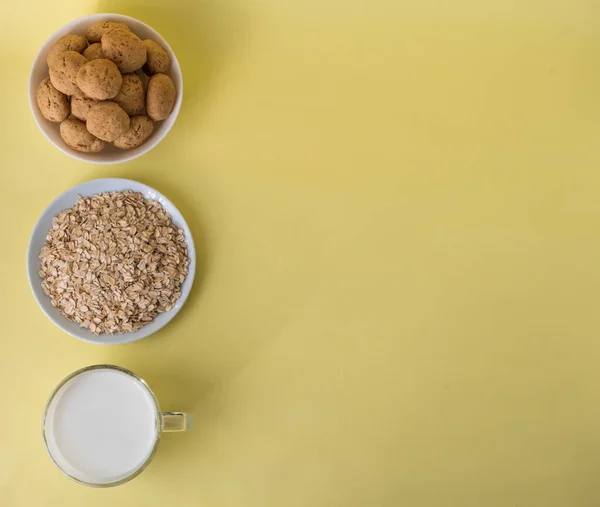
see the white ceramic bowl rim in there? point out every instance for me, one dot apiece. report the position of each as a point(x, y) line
point(43, 225)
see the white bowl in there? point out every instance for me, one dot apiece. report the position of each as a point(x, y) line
point(110, 154)
point(38, 238)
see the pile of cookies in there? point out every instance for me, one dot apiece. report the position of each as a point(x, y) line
point(107, 87)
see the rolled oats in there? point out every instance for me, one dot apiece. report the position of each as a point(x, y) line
point(113, 262)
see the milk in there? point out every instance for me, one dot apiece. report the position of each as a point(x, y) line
point(101, 426)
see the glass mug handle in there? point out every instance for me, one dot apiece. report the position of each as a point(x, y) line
point(176, 421)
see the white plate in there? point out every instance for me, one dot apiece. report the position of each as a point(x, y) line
point(38, 238)
point(110, 154)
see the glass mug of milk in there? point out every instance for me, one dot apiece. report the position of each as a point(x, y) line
point(102, 425)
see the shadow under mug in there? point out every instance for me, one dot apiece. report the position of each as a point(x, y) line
point(163, 421)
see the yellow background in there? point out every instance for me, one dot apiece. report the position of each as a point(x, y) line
point(396, 207)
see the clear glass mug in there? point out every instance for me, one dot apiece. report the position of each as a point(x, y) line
point(102, 425)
